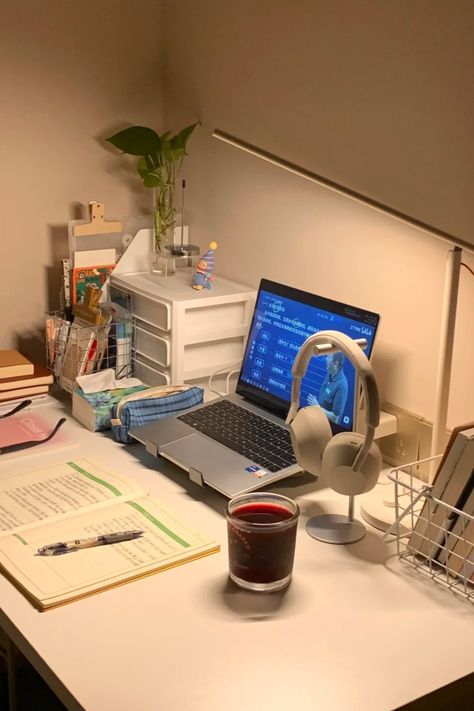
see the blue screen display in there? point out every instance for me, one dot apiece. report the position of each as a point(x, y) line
point(280, 326)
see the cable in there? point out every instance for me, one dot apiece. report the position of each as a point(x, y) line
point(463, 264)
point(227, 380)
point(223, 368)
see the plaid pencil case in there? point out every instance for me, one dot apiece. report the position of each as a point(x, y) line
point(151, 405)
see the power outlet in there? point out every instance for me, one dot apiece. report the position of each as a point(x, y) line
point(403, 446)
point(411, 442)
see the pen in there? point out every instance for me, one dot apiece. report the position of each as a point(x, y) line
point(79, 543)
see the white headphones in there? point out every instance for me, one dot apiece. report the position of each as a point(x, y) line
point(350, 462)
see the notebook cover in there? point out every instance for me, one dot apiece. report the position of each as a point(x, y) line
point(83, 276)
point(26, 427)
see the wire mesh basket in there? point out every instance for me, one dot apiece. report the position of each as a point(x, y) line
point(431, 535)
point(74, 349)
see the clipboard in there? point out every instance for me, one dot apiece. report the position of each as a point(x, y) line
point(97, 224)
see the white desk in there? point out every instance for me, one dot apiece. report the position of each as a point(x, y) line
point(350, 633)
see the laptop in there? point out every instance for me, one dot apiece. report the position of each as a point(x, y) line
point(240, 442)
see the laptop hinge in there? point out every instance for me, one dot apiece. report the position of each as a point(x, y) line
point(151, 448)
point(196, 476)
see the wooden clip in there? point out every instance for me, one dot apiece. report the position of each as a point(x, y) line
point(89, 309)
point(97, 224)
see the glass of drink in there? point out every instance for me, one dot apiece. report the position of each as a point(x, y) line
point(261, 531)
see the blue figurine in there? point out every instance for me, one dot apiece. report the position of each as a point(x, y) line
point(203, 275)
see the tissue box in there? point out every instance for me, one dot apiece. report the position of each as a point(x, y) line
point(93, 410)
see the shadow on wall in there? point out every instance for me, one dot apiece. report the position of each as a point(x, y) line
point(32, 343)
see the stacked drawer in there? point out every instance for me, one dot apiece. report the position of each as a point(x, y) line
point(182, 334)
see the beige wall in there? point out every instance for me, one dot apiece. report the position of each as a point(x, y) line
point(376, 95)
point(69, 72)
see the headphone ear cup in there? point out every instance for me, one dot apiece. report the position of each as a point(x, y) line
point(310, 432)
point(338, 459)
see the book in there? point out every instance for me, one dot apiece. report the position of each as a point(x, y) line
point(80, 351)
point(449, 482)
point(83, 276)
point(66, 277)
point(41, 376)
point(461, 558)
point(458, 522)
point(13, 364)
point(94, 410)
point(91, 257)
point(24, 393)
point(62, 336)
point(76, 499)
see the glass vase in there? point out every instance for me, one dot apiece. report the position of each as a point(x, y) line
point(163, 262)
point(164, 217)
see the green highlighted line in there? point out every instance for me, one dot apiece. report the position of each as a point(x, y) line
point(79, 469)
point(158, 524)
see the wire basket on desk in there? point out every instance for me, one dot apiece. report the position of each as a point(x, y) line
point(74, 349)
point(432, 536)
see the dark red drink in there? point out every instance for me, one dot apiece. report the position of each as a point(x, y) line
point(262, 534)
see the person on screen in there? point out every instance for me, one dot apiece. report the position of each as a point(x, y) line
point(333, 394)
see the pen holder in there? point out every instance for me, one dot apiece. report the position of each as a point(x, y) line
point(78, 348)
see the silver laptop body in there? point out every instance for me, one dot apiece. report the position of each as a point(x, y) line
point(283, 318)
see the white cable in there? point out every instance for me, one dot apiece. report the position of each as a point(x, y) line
point(227, 381)
point(223, 368)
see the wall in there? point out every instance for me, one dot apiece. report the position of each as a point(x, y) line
point(374, 95)
point(71, 73)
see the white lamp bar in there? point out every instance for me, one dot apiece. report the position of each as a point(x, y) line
point(448, 317)
point(338, 188)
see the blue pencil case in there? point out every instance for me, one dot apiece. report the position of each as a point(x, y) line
point(151, 405)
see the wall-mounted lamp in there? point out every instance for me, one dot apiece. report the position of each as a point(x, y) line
point(448, 315)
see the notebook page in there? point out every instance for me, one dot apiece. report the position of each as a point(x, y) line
point(58, 490)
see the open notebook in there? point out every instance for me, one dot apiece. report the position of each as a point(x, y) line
point(78, 499)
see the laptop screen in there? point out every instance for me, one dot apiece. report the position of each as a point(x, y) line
point(283, 318)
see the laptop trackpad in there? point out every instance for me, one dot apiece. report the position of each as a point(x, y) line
point(195, 452)
point(211, 463)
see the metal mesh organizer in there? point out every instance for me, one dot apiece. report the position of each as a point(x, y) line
point(432, 536)
point(73, 349)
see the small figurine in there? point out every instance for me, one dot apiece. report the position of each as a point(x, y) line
point(203, 275)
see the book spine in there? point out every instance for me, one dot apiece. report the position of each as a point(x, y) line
point(457, 530)
point(66, 270)
point(61, 347)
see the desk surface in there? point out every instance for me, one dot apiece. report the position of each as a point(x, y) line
point(354, 630)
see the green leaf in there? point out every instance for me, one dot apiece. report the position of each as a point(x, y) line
point(151, 181)
point(136, 141)
point(144, 166)
point(179, 141)
point(167, 151)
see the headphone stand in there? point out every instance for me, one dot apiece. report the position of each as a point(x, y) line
point(335, 528)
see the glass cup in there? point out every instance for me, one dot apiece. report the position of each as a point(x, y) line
point(261, 532)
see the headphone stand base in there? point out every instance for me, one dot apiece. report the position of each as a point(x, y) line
point(334, 528)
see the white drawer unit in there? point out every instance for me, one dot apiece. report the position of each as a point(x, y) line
point(151, 345)
point(182, 334)
point(150, 372)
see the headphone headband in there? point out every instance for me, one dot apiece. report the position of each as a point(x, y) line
point(358, 359)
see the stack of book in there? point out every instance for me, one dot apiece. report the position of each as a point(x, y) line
point(20, 378)
point(444, 530)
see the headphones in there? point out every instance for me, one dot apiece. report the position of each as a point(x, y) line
point(350, 462)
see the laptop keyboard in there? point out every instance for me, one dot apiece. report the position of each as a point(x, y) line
point(256, 438)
